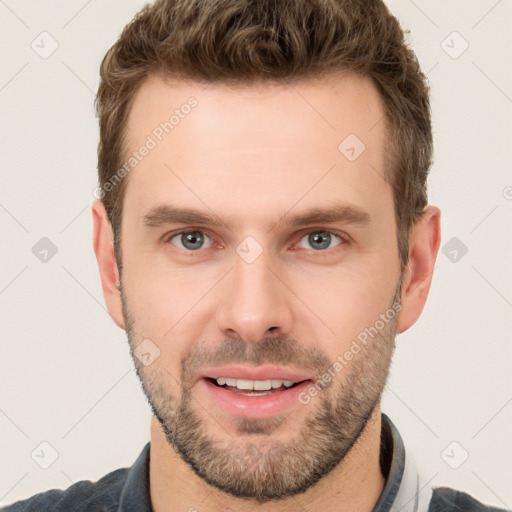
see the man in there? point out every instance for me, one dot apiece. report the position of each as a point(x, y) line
point(262, 235)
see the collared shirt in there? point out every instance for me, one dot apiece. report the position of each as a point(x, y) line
point(127, 489)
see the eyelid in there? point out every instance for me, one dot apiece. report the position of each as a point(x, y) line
point(169, 236)
point(345, 238)
point(340, 234)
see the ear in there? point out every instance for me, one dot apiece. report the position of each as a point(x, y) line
point(103, 242)
point(424, 241)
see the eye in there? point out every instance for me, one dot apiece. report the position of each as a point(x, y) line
point(320, 240)
point(191, 240)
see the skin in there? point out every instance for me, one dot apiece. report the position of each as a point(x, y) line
point(253, 156)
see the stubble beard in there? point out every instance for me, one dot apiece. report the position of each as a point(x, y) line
point(250, 464)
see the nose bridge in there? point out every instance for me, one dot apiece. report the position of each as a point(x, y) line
point(253, 299)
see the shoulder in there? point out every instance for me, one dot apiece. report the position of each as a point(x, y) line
point(83, 496)
point(445, 499)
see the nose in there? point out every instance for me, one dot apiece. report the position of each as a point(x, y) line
point(254, 302)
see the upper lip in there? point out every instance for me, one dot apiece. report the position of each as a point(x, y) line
point(255, 373)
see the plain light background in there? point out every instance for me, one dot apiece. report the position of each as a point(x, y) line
point(67, 378)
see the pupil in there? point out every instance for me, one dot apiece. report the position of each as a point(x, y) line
point(320, 240)
point(192, 241)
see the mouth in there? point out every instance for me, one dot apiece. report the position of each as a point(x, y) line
point(253, 387)
point(256, 398)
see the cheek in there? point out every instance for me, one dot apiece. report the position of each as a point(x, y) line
point(162, 314)
point(347, 299)
point(165, 302)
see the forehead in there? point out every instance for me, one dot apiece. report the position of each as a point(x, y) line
point(313, 139)
point(332, 105)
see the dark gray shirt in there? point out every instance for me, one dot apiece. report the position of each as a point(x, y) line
point(127, 489)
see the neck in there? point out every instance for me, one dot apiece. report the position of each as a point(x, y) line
point(354, 485)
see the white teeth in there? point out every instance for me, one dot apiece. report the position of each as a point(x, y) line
point(258, 385)
point(244, 384)
point(262, 385)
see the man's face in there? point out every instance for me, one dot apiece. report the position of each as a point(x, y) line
point(301, 258)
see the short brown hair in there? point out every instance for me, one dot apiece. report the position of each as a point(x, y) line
point(242, 42)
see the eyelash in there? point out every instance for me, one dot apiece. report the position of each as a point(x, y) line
point(344, 239)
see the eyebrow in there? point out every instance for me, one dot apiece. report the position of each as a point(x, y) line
point(168, 214)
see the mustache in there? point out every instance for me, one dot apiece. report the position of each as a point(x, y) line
point(279, 350)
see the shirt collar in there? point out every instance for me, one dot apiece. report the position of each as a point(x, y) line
point(135, 496)
point(403, 490)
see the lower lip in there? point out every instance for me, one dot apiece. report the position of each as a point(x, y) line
point(254, 407)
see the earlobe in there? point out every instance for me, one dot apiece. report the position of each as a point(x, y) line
point(103, 243)
point(424, 242)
